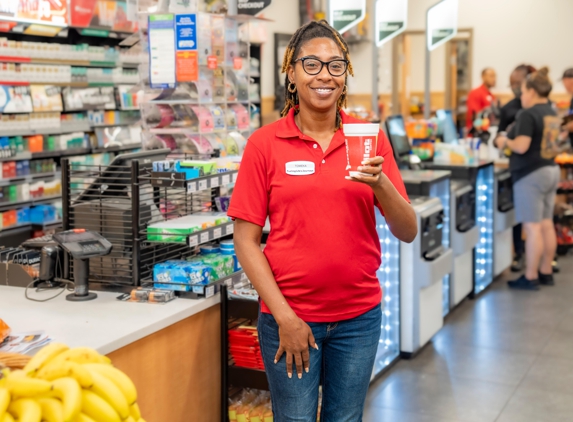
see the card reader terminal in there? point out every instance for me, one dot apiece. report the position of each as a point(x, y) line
point(82, 245)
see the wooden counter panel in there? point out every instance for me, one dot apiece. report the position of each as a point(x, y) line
point(177, 370)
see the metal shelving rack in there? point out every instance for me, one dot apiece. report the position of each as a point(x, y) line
point(234, 376)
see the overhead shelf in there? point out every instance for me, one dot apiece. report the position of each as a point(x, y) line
point(29, 178)
point(79, 63)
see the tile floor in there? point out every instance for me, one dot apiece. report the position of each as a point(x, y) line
point(506, 357)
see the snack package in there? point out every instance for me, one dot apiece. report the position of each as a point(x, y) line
point(4, 330)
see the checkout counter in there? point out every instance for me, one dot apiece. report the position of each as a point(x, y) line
point(424, 264)
point(504, 221)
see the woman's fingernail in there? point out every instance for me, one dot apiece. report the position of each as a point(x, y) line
point(306, 369)
point(289, 375)
point(275, 361)
point(316, 346)
point(299, 376)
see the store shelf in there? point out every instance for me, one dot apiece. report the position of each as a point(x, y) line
point(236, 279)
point(65, 84)
point(17, 157)
point(247, 378)
point(6, 206)
point(79, 63)
point(210, 234)
point(106, 125)
point(61, 153)
point(193, 185)
point(29, 178)
point(566, 165)
point(117, 148)
point(63, 129)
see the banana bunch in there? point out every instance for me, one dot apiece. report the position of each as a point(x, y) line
point(60, 384)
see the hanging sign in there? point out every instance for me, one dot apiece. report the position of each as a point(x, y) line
point(391, 19)
point(344, 14)
point(161, 35)
point(441, 23)
point(252, 7)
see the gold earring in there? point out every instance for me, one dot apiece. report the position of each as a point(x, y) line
point(290, 89)
point(344, 90)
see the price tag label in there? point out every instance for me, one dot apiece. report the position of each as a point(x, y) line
point(229, 283)
point(215, 182)
point(191, 187)
point(217, 233)
point(235, 175)
point(229, 228)
point(209, 291)
point(198, 289)
point(226, 179)
point(202, 184)
point(192, 241)
point(204, 237)
point(243, 277)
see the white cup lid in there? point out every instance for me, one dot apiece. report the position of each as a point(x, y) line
point(361, 128)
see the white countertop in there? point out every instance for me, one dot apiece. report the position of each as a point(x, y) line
point(105, 324)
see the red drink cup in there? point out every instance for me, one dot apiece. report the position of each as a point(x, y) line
point(361, 142)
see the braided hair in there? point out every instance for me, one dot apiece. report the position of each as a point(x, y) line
point(307, 32)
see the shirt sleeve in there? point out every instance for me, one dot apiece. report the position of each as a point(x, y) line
point(503, 119)
point(525, 125)
point(250, 197)
point(389, 168)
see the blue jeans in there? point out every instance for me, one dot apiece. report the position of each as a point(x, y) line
point(342, 364)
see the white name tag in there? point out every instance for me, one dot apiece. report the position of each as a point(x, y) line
point(300, 168)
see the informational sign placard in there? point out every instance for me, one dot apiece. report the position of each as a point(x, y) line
point(252, 7)
point(391, 19)
point(116, 15)
point(161, 50)
point(344, 14)
point(187, 61)
point(441, 23)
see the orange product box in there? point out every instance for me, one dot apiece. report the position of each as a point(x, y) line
point(36, 143)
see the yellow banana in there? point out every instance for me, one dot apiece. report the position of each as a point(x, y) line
point(129, 419)
point(52, 410)
point(121, 380)
point(81, 355)
point(7, 418)
point(23, 386)
point(135, 412)
point(97, 408)
point(107, 390)
point(69, 392)
point(56, 370)
point(140, 420)
point(4, 401)
point(25, 410)
point(82, 417)
point(43, 356)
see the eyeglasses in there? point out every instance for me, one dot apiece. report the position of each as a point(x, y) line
point(314, 66)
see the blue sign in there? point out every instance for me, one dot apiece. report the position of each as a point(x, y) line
point(186, 32)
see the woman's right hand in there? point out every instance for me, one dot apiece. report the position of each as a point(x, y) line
point(295, 339)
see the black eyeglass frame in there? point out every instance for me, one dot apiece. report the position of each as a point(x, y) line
point(322, 64)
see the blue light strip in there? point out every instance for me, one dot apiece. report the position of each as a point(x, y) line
point(389, 276)
point(441, 190)
point(484, 217)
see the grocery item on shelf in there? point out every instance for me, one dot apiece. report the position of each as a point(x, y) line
point(245, 348)
point(177, 229)
point(63, 384)
point(251, 405)
point(564, 158)
point(228, 249)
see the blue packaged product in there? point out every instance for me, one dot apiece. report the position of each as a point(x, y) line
point(227, 244)
point(23, 215)
point(236, 264)
point(209, 249)
point(175, 287)
point(19, 169)
point(25, 167)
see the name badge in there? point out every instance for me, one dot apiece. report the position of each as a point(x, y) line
point(300, 168)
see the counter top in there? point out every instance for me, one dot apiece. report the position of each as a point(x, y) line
point(105, 324)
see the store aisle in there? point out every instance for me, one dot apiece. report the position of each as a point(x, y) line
point(506, 357)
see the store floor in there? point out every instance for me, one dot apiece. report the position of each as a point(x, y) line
point(506, 356)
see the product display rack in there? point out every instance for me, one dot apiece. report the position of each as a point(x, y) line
point(234, 376)
point(563, 220)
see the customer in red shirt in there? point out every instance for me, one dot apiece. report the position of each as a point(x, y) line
point(480, 98)
point(320, 297)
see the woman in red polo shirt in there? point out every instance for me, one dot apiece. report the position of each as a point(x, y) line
point(320, 298)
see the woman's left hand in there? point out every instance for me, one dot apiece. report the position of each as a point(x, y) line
point(372, 167)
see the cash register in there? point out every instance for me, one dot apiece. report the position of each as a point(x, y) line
point(82, 245)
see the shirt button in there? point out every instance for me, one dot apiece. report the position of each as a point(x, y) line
point(323, 161)
point(315, 146)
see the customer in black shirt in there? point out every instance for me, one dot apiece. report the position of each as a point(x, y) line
point(507, 117)
point(533, 142)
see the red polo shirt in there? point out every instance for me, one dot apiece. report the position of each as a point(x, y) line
point(323, 248)
point(479, 99)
